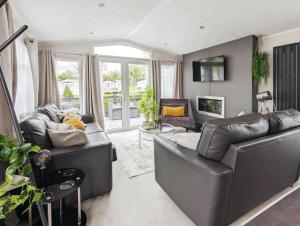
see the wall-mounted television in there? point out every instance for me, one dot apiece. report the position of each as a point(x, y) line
point(209, 69)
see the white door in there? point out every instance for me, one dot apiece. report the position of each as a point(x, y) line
point(123, 83)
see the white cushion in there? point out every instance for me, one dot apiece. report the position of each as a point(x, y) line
point(67, 138)
point(188, 140)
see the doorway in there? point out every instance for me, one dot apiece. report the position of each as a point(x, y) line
point(124, 81)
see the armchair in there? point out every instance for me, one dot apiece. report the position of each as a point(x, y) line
point(186, 121)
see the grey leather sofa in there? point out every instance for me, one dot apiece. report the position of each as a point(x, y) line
point(94, 158)
point(239, 163)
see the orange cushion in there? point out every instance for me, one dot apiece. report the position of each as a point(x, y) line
point(173, 111)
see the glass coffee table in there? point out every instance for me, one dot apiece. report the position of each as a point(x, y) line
point(148, 134)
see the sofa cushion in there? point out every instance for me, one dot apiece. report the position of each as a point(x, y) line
point(218, 134)
point(283, 120)
point(173, 111)
point(96, 141)
point(174, 103)
point(34, 129)
point(67, 138)
point(50, 111)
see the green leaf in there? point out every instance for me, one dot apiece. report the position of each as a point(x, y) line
point(5, 153)
point(26, 170)
point(35, 149)
point(25, 147)
point(37, 197)
point(13, 156)
point(2, 216)
point(4, 187)
point(30, 188)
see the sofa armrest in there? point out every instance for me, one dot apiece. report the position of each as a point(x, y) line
point(262, 167)
point(199, 186)
point(87, 118)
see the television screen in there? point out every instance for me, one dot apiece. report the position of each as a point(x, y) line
point(210, 69)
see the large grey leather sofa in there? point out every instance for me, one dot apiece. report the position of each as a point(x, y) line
point(94, 158)
point(239, 163)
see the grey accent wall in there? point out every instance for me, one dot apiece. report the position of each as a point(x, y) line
point(237, 89)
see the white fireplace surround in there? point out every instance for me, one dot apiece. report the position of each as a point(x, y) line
point(222, 115)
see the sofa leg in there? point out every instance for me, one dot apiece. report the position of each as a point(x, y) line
point(187, 130)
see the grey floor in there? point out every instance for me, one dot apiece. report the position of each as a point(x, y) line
point(134, 202)
point(140, 201)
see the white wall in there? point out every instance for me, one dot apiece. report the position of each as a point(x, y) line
point(266, 44)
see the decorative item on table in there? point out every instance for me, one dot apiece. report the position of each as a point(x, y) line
point(148, 107)
point(41, 160)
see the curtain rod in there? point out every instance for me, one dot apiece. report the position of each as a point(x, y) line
point(71, 54)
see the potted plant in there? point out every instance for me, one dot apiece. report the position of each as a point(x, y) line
point(148, 107)
point(260, 67)
point(14, 160)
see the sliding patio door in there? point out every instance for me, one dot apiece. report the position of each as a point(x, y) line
point(124, 81)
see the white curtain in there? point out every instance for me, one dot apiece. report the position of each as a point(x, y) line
point(48, 89)
point(167, 80)
point(8, 64)
point(24, 102)
point(33, 53)
point(155, 69)
point(92, 89)
point(178, 81)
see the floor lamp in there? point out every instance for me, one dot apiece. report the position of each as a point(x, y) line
point(12, 110)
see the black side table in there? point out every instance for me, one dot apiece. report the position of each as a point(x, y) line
point(59, 184)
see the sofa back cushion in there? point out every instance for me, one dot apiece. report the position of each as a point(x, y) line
point(218, 134)
point(34, 130)
point(283, 120)
point(50, 110)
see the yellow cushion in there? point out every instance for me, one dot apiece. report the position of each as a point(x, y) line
point(173, 111)
point(76, 123)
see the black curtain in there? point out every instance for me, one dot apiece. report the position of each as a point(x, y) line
point(286, 77)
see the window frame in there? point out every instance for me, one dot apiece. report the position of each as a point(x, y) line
point(123, 57)
point(79, 60)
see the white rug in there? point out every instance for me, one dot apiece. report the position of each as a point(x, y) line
point(135, 161)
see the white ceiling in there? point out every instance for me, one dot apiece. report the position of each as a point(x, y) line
point(171, 25)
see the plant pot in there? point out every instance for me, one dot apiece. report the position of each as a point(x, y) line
point(3, 167)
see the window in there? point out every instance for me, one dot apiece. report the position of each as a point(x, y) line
point(167, 80)
point(24, 102)
point(121, 51)
point(68, 79)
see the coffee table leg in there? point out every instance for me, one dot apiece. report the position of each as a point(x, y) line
point(79, 205)
point(49, 207)
point(61, 211)
point(30, 216)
